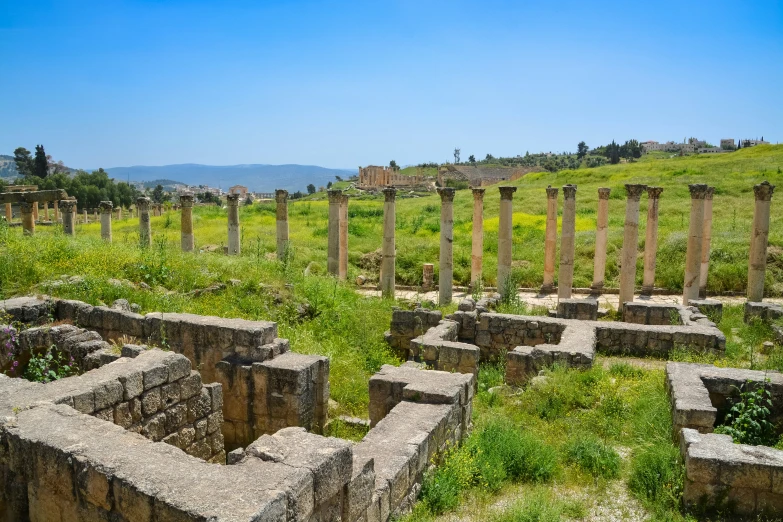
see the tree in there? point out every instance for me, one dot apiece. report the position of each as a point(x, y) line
point(329, 185)
point(472, 158)
point(631, 150)
point(338, 178)
point(393, 165)
point(489, 157)
point(40, 163)
point(23, 161)
point(581, 150)
point(311, 189)
point(613, 153)
point(157, 194)
point(249, 200)
point(456, 155)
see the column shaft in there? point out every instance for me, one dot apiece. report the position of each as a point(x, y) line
point(35, 210)
point(550, 240)
point(9, 213)
point(232, 201)
point(388, 247)
point(477, 244)
point(281, 198)
point(446, 272)
point(342, 265)
point(106, 210)
point(630, 244)
point(28, 217)
point(505, 230)
point(565, 279)
point(187, 241)
point(690, 287)
point(651, 240)
point(69, 217)
point(706, 240)
point(601, 236)
point(56, 207)
point(333, 228)
point(757, 264)
point(145, 227)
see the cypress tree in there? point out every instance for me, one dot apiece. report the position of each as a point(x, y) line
point(40, 165)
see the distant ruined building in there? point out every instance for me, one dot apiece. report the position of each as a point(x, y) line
point(480, 176)
point(373, 177)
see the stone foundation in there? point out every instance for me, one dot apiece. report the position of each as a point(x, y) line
point(438, 350)
point(766, 312)
point(408, 324)
point(582, 309)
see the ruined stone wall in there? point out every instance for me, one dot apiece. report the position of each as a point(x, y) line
point(408, 324)
point(438, 350)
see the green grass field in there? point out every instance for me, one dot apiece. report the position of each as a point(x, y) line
point(578, 422)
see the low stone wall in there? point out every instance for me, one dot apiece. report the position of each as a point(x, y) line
point(731, 478)
point(582, 309)
point(766, 312)
point(643, 312)
point(266, 387)
point(408, 324)
point(439, 350)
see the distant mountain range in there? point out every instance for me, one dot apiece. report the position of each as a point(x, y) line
point(257, 178)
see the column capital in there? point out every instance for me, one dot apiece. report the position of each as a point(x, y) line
point(654, 192)
point(551, 192)
point(389, 193)
point(232, 200)
point(26, 207)
point(698, 190)
point(763, 191)
point(507, 193)
point(710, 193)
point(143, 203)
point(634, 191)
point(67, 205)
point(446, 194)
point(603, 193)
point(569, 191)
point(343, 198)
point(281, 196)
point(478, 193)
point(106, 207)
point(186, 200)
point(334, 195)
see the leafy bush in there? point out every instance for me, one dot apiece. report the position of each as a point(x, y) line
point(49, 366)
point(747, 421)
point(657, 476)
point(593, 456)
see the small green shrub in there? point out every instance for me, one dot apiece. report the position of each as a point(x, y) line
point(49, 366)
point(540, 506)
point(657, 476)
point(747, 421)
point(591, 455)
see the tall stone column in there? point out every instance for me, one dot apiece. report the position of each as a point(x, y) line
point(9, 213)
point(187, 241)
point(145, 227)
point(281, 197)
point(56, 207)
point(28, 217)
point(119, 212)
point(69, 216)
point(388, 248)
point(232, 201)
point(630, 243)
point(106, 210)
point(46, 210)
point(690, 287)
point(550, 240)
point(477, 244)
point(706, 240)
point(35, 210)
point(758, 241)
point(342, 264)
point(85, 216)
point(565, 279)
point(505, 230)
point(651, 240)
point(333, 227)
point(601, 236)
point(446, 272)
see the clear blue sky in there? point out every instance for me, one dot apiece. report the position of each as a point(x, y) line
point(340, 84)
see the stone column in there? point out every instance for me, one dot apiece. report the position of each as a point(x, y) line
point(446, 271)
point(690, 287)
point(342, 264)
point(9, 213)
point(28, 217)
point(505, 230)
point(85, 215)
point(106, 210)
point(186, 223)
point(477, 245)
point(119, 212)
point(145, 228)
point(281, 197)
point(651, 240)
point(35, 210)
point(706, 240)
point(232, 201)
point(46, 210)
point(630, 243)
point(388, 249)
point(427, 276)
point(333, 228)
point(601, 236)
point(565, 279)
point(56, 207)
point(550, 240)
point(758, 241)
point(69, 216)
point(94, 215)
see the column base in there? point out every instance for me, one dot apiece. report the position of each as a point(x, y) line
point(702, 293)
point(646, 291)
point(547, 289)
point(597, 288)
